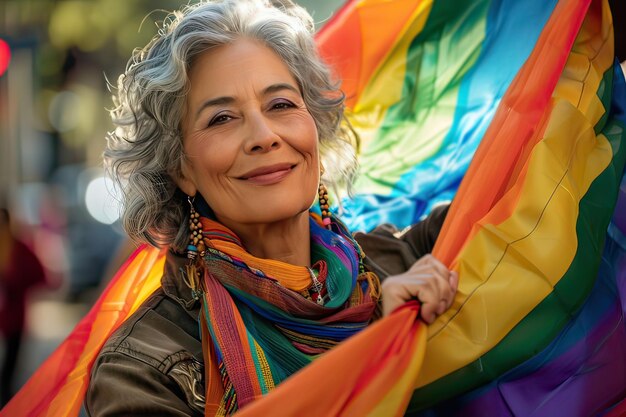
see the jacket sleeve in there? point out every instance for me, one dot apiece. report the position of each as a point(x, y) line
point(122, 385)
point(389, 251)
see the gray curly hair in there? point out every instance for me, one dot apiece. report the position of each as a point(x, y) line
point(145, 151)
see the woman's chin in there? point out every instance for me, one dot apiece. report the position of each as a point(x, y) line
point(273, 214)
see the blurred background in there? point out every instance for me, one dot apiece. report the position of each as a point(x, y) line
point(55, 59)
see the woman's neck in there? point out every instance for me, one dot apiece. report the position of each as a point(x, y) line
point(287, 241)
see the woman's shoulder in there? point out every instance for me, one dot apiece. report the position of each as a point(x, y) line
point(164, 329)
point(160, 333)
point(158, 349)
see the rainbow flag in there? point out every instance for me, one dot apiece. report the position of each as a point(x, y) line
point(539, 319)
point(518, 110)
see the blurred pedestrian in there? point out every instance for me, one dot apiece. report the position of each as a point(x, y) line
point(20, 271)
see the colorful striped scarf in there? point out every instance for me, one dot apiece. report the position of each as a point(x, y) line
point(259, 318)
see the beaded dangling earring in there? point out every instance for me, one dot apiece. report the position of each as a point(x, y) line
point(323, 200)
point(196, 241)
point(196, 246)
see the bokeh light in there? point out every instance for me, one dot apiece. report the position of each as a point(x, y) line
point(5, 56)
point(64, 111)
point(102, 200)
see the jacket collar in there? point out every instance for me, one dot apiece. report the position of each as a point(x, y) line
point(174, 285)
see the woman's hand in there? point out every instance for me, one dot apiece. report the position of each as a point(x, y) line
point(429, 281)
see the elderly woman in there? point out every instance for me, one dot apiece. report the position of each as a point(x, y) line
point(225, 123)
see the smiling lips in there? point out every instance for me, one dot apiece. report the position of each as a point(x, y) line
point(268, 175)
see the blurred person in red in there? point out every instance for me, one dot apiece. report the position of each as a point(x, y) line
point(20, 271)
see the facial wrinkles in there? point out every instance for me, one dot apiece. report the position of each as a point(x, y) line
point(252, 117)
point(215, 153)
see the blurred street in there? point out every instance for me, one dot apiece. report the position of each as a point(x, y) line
point(50, 320)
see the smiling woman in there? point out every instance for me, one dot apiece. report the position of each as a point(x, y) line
point(251, 148)
point(153, 108)
point(223, 122)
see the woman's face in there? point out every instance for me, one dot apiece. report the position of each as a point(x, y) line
point(251, 145)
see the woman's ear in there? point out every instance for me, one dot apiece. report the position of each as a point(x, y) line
point(184, 181)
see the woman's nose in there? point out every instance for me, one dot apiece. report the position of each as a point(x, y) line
point(261, 135)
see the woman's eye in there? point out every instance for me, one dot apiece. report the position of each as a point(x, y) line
point(281, 105)
point(219, 119)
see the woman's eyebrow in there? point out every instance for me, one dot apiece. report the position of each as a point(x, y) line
point(218, 101)
point(279, 87)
